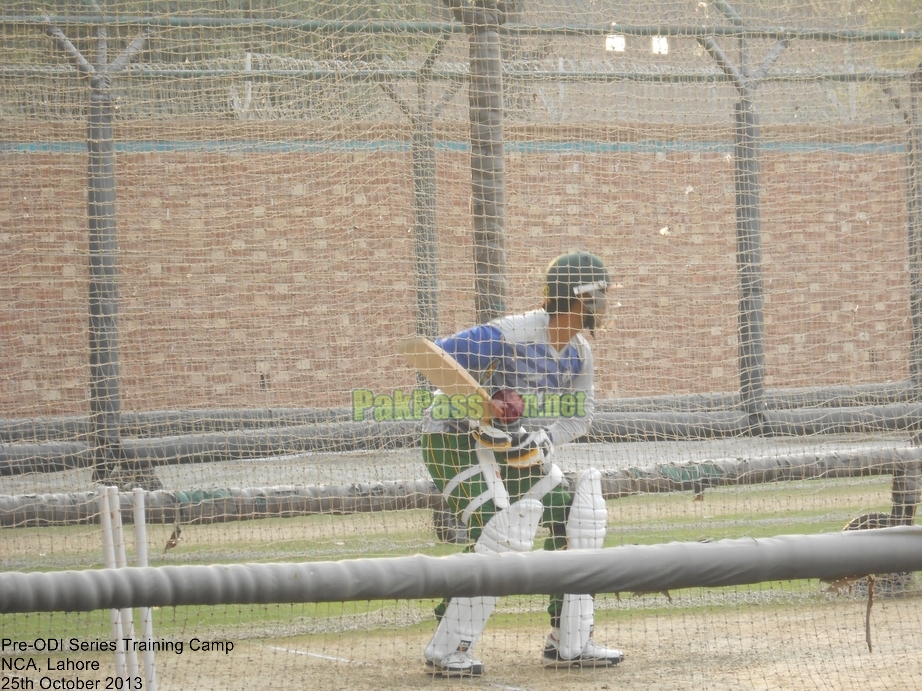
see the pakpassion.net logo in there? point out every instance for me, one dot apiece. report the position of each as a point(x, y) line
point(401, 405)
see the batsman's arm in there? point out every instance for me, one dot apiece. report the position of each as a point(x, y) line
point(475, 349)
point(566, 429)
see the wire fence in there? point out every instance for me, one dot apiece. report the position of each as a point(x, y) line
point(218, 223)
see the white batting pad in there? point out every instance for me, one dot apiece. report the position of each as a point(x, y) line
point(588, 514)
point(576, 620)
point(512, 529)
point(461, 626)
point(585, 530)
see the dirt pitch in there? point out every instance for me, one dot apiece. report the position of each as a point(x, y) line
point(819, 646)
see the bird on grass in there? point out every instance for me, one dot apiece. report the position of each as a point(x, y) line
point(174, 539)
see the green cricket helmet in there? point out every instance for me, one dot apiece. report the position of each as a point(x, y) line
point(579, 275)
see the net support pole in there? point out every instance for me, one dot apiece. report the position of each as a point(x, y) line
point(105, 397)
point(749, 264)
point(907, 477)
point(914, 226)
point(104, 393)
point(488, 177)
point(424, 203)
point(746, 177)
point(103, 278)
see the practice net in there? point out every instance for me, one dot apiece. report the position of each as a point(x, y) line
point(220, 220)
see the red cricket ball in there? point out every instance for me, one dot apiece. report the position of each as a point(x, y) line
point(507, 406)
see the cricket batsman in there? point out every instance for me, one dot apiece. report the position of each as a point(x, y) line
point(500, 480)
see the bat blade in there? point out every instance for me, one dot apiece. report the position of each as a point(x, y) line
point(443, 371)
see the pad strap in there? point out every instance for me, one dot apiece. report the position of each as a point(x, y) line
point(553, 478)
point(465, 474)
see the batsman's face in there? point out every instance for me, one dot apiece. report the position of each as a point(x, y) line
point(596, 303)
point(594, 299)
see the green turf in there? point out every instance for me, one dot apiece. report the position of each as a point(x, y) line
point(758, 511)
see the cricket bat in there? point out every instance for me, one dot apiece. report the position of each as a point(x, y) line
point(444, 371)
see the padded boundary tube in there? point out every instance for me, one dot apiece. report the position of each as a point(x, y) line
point(619, 569)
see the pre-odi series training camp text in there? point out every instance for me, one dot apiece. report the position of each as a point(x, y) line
point(58, 663)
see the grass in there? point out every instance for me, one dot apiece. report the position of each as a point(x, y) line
point(806, 507)
point(756, 511)
point(729, 512)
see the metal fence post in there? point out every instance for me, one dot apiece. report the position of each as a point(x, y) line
point(488, 175)
point(749, 265)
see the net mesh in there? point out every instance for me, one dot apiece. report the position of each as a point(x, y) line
point(288, 197)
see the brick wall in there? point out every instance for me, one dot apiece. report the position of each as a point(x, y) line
point(272, 266)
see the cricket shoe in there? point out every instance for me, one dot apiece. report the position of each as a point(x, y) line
point(457, 664)
point(592, 655)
